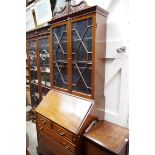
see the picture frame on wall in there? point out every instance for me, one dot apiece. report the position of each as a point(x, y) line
point(29, 20)
point(43, 12)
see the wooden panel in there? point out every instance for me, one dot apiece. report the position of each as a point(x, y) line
point(64, 109)
point(92, 149)
point(109, 136)
point(100, 52)
point(38, 32)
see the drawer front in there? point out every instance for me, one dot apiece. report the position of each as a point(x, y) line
point(47, 145)
point(66, 144)
point(42, 121)
point(63, 132)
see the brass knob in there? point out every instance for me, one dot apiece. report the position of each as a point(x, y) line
point(67, 147)
point(61, 133)
point(44, 122)
point(41, 128)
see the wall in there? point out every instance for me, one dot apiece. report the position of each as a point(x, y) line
point(116, 78)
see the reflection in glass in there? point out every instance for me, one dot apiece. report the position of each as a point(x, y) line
point(33, 75)
point(44, 91)
point(32, 55)
point(44, 54)
point(35, 95)
point(45, 79)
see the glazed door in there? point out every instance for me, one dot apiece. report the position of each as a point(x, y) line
point(32, 53)
point(82, 56)
point(59, 54)
point(44, 65)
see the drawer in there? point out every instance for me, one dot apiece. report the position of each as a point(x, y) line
point(48, 146)
point(64, 133)
point(41, 119)
point(61, 140)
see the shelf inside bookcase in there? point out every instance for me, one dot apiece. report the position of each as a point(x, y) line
point(45, 83)
point(33, 69)
point(45, 69)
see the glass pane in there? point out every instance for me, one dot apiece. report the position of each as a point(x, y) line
point(32, 54)
point(81, 78)
point(33, 75)
point(44, 65)
point(81, 27)
point(44, 54)
point(35, 95)
point(82, 56)
point(60, 56)
point(60, 75)
point(44, 91)
point(45, 79)
point(88, 45)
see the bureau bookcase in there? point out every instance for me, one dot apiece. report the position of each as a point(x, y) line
point(77, 45)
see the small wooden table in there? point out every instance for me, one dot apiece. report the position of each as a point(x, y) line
point(106, 138)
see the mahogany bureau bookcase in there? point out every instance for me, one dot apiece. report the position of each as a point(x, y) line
point(77, 48)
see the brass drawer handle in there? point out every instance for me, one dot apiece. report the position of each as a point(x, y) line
point(61, 133)
point(44, 122)
point(41, 128)
point(67, 147)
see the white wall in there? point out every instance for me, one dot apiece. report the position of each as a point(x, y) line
point(116, 77)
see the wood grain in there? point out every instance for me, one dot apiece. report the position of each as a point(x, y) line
point(109, 136)
point(64, 109)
